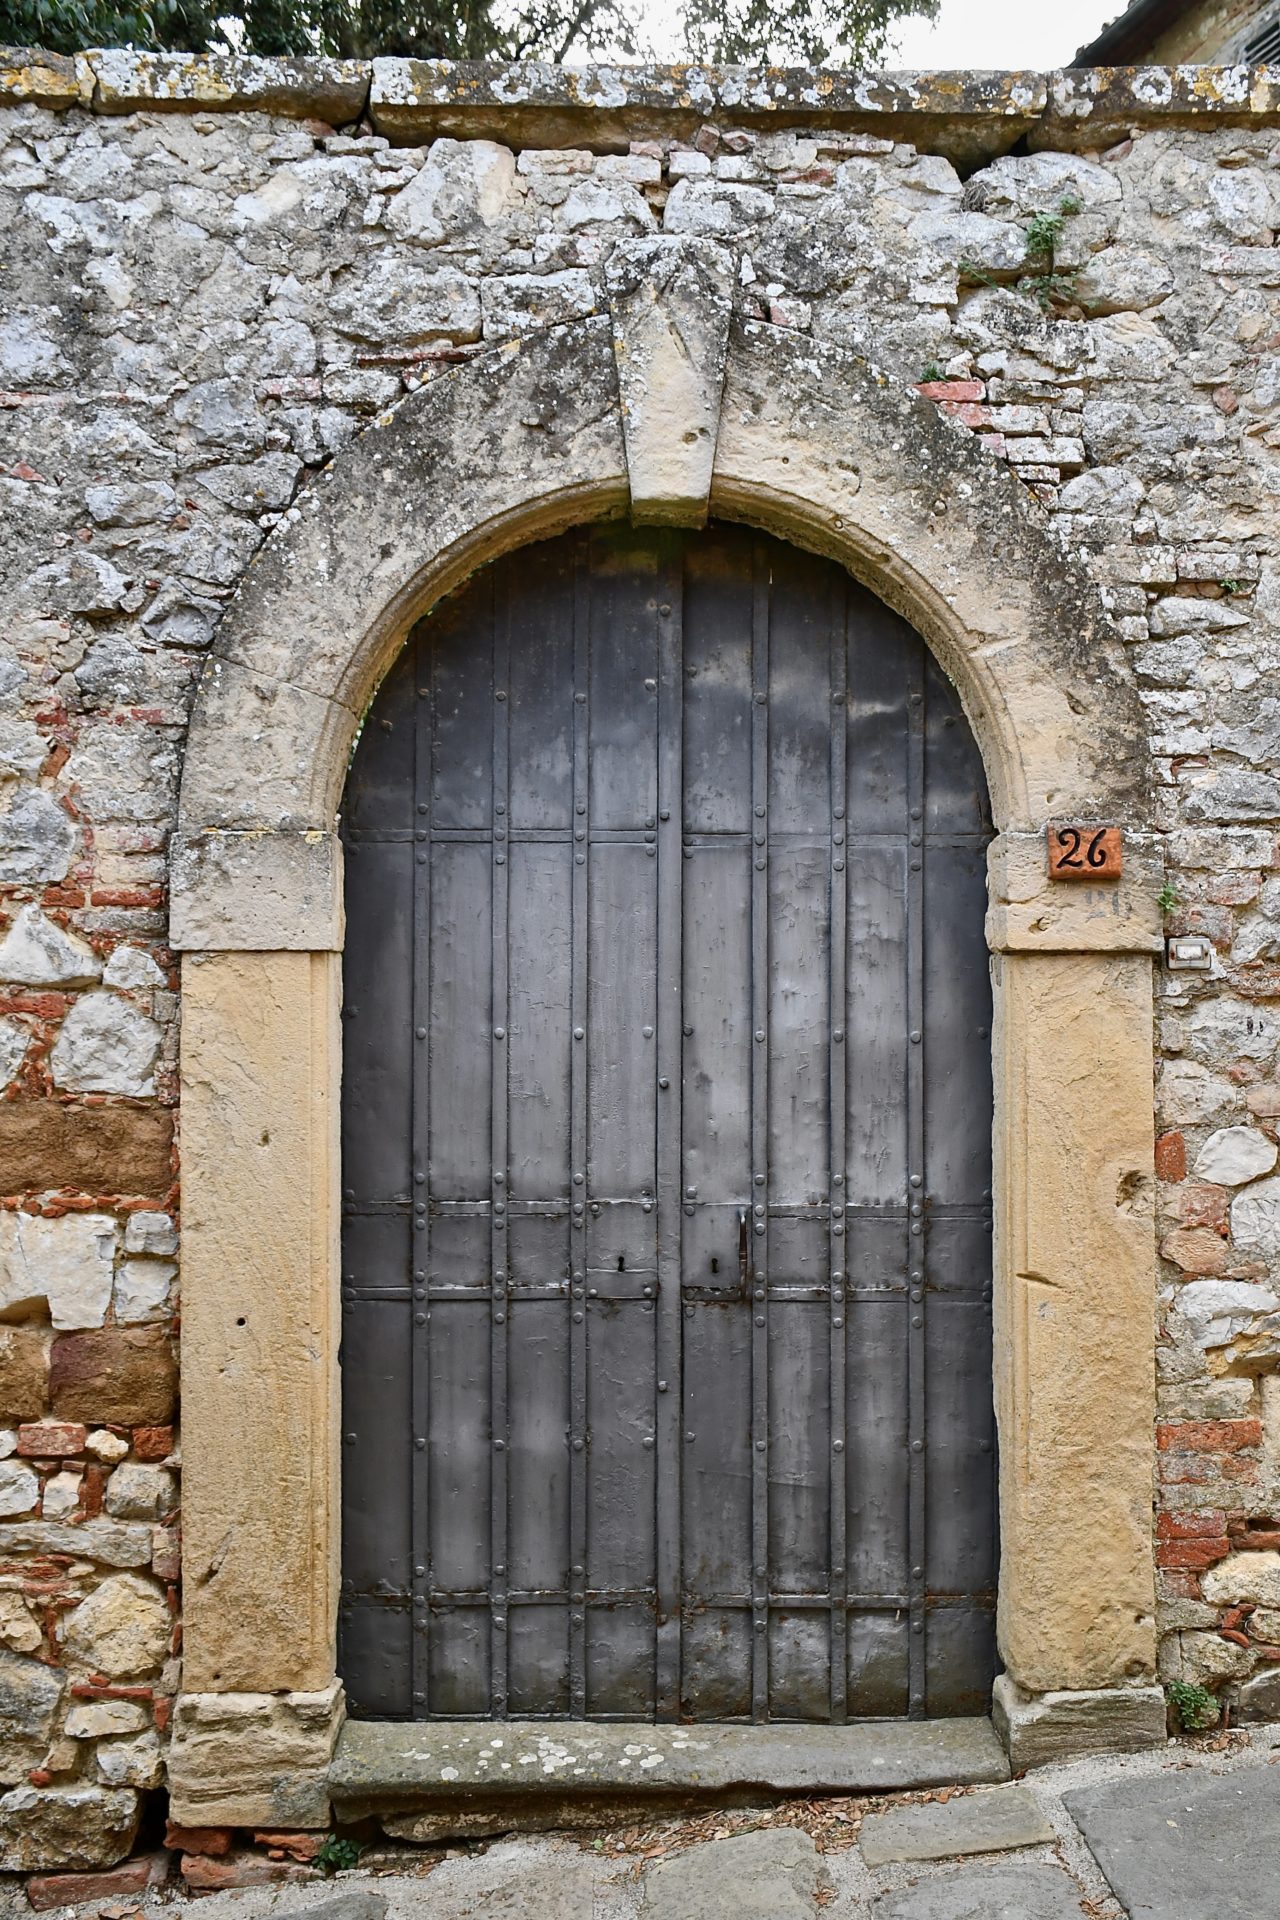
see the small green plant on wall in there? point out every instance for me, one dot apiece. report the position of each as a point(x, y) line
point(1043, 233)
point(1167, 898)
point(337, 1855)
point(1196, 1708)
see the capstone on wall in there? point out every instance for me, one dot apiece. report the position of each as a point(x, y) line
point(199, 310)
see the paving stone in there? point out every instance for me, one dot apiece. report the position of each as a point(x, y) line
point(1007, 1892)
point(755, 1876)
point(975, 1823)
point(1187, 1846)
point(509, 1885)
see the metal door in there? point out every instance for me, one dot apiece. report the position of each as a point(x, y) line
point(666, 1152)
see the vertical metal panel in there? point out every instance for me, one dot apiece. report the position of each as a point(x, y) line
point(837, 1097)
point(589, 899)
point(579, 1154)
point(420, 1195)
point(669, 1143)
point(499, 1157)
point(756, 1238)
point(916, 1251)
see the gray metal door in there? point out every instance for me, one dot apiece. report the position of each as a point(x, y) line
point(666, 1152)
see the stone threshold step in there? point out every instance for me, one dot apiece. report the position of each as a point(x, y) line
point(430, 1779)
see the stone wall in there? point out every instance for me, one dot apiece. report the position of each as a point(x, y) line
point(208, 293)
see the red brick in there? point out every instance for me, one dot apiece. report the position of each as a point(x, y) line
point(1204, 1470)
point(1171, 1157)
point(1205, 1523)
point(955, 390)
point(1193, 1555)
point(95, 1483)
point(1179, 1585)
point(69, 1889)
point(239, 1870)
point(101, 1689)
point(206, 1840)
point(1256, 1542)
point(299, 1846)
point(1202, 1206)
point(1197, 1250)
point(1236, 1639)
point(51, 1439)
point(153, 1443)
point(1208, 1436)
point(969, 413)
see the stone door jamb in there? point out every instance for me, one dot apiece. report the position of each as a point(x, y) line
point(812, 444)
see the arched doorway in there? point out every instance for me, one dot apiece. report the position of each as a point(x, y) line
point(666, 1152)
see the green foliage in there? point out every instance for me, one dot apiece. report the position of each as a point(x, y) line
point(1167, 900)
point(1232, 586)
point(1196, 1708)
point(1043, 232)
point(812, 32)
point(932, 372)
point(337, 1855)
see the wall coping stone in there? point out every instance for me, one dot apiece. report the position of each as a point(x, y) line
point(972, 117)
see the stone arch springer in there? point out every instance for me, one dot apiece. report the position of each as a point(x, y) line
point(667, 408)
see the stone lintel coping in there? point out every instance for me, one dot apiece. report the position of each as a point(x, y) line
point(386, 1767)
point(970, 116)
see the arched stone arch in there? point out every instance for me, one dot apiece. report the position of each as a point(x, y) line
point(817, 446)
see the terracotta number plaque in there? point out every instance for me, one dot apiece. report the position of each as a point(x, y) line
point(1084, 853)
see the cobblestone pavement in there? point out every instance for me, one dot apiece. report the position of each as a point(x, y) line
point(1191, 1832)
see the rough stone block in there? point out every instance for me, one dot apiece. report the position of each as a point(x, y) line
point(46, 1145)
point(32, 76)
point(36, 952)
point(230, 891)
point(126, 1376)
point(304, 89)
point(62, 1265)
point(71, 1826)
point(113, 1543)
point(1260, 1696)
point(30, 1694)
point(122, 1629)
point(24, 1372)
point(106, 1045)
point(19, 1488)
point(1039, 1730)
point(253, 1759)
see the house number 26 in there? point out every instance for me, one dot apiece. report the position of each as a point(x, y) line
point(1080, 852)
